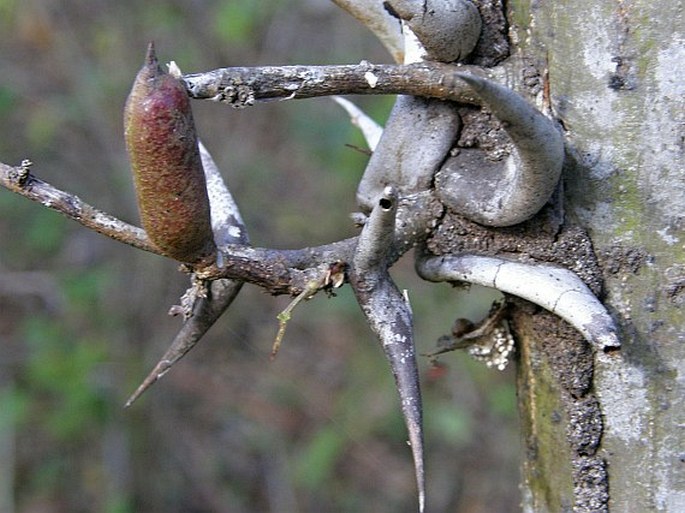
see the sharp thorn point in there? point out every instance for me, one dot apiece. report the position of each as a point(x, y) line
point(160, 370)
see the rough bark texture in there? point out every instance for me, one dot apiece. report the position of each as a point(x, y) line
point(610, 435)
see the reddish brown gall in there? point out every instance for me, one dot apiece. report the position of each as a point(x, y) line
point(165, 160)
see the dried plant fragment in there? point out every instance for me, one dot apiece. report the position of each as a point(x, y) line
point(331, 278)
point(489, 341)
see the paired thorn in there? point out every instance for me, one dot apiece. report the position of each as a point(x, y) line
point(389, 315)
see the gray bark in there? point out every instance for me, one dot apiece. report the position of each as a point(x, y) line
point(616, 82)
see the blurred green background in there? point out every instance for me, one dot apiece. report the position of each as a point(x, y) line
point(83, 319)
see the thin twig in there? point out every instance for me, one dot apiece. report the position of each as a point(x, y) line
point(21, 181)
point(278, 271)
point(312, 288)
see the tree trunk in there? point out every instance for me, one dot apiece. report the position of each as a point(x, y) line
point(608, 433)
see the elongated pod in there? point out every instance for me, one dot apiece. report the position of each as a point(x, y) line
point(228, 228)
point(165, 160)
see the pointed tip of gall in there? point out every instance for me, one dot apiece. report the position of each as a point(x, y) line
point(151, 55)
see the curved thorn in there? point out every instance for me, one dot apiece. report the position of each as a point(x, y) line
point(555, 289)
point(389, 315)
point(504, 195)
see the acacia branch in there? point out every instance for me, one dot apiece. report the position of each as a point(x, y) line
point(242, 86)
point(277, 271)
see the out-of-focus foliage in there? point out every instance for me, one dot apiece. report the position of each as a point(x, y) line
point(82, 318)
